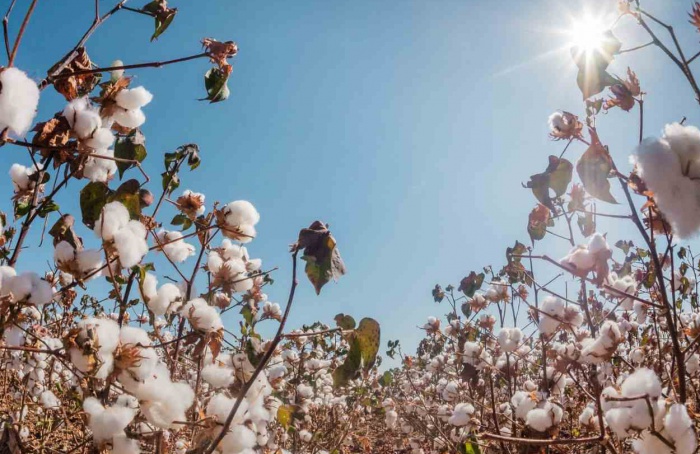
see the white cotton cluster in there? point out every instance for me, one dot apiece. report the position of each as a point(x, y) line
point(544, 416)
point(219, 372)
point(128, 236)
point(107, 423)
point(497, 291)
point(250, 423)
point(476, 355)
point(238, 221)
point(462, 415)
point(81, 263)
point(583, 258)
point(677, 429)
point(94, 346)
point(20, 176)
point(601, 348)
point(129, 103)
point(164, 300)
point(87, 124)
point(99, 166)
point(19, 98)
point(172, 245)
point(588, 418)
point(272, 310)
point(26, 287)
point(230, 265)
point(432, 325)
point(626, 284)
point(670, 167)
point(509, 339)
point(554, 313)
point(202, 316)
point(523, 402)
point(625, 416)
point(136, 360)
point(391, 417)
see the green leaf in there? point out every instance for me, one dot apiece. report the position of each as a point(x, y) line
point(21, 209)
point(215, 83)
point(170, 182)
point(470, 284)
point(586, 224)
point(183, 220)
point(93, 197)
point(128, 195)
point(47, 207)
point(162, 16)
point(364, 345)
point(594, 168)
point(386, 379)
point(556, 177)
point(131, 147)
point(345, 321)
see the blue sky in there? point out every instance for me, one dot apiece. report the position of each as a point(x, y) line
point(408, 126)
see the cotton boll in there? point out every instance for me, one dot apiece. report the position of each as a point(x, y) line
point(685, 143)
point(166, 299)
point(240, 218)
point(523, 403)
point(661, 169)
point(175, 399)
point(97, 168)
point(129, 118)
point(130, 243)
point(19, 175)
point(134, 98)
point(64, 252)
point(101, 138)
point(19, 98)
point(201, 315)
point(123, 445)
point(174, 247)
point(90, 260)
point(680, 430)
point(541, 419)
point(105, 423)
point(693, 364)
point(116, 74)
point(642, 381)
point(390, 418)
point(149, 286)
point(217, 376)
point(86, 122)
point(626, 284)
point(73, 107)
point(461, 415)
point(49, 400)
point(113, 218)
point(509, 338)
point(239, 439)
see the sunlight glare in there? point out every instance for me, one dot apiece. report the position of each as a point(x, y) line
point(588, 33)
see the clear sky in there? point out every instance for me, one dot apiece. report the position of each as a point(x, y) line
point(408, 126)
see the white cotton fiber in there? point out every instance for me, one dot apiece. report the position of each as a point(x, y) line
point(134, 98)
point(19, 98)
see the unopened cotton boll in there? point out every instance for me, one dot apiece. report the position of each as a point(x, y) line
point(133, 98)
point(19, 98)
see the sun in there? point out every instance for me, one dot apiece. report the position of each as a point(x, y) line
point(588, 33)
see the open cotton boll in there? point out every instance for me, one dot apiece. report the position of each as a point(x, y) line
point(509, 338)
point(149, 286)
point(49, 400)
point(100, 139)
point(72, 108)
point(129, 118)
point(642, 381)
point(461, 415)
point(113, 218)
point(166, 300)
point(675, 194)
point(99, 169)
point(133, 98)
point(239, 220)
point(121, 444)
point(542, 419)
point(626, 284)
point(219, 407)
point(201, 315)
point(648, 443)
point(86, 122)
point(28, 287)
point(523, 403)
point(685, 143)
point(174, 247)
point(19, 98)
point(239, 440)
point(130, 243)
point(106, 423)
point(170, 403)
point(90, 260)
point(679, 428)
point(218, 376)
point(20, 176)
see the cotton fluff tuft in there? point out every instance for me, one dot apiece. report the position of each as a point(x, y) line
point(174, 246)
point(670, 166)
point(97, 168)
point(461, 415)
point(129, 236)
point(201, 315)
point(542, 419)
point(163, 300)
point(509, 339)
point(239, 219)
point(27, 287)
point(19, 98)
point(107, 422)
point(624, 416)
